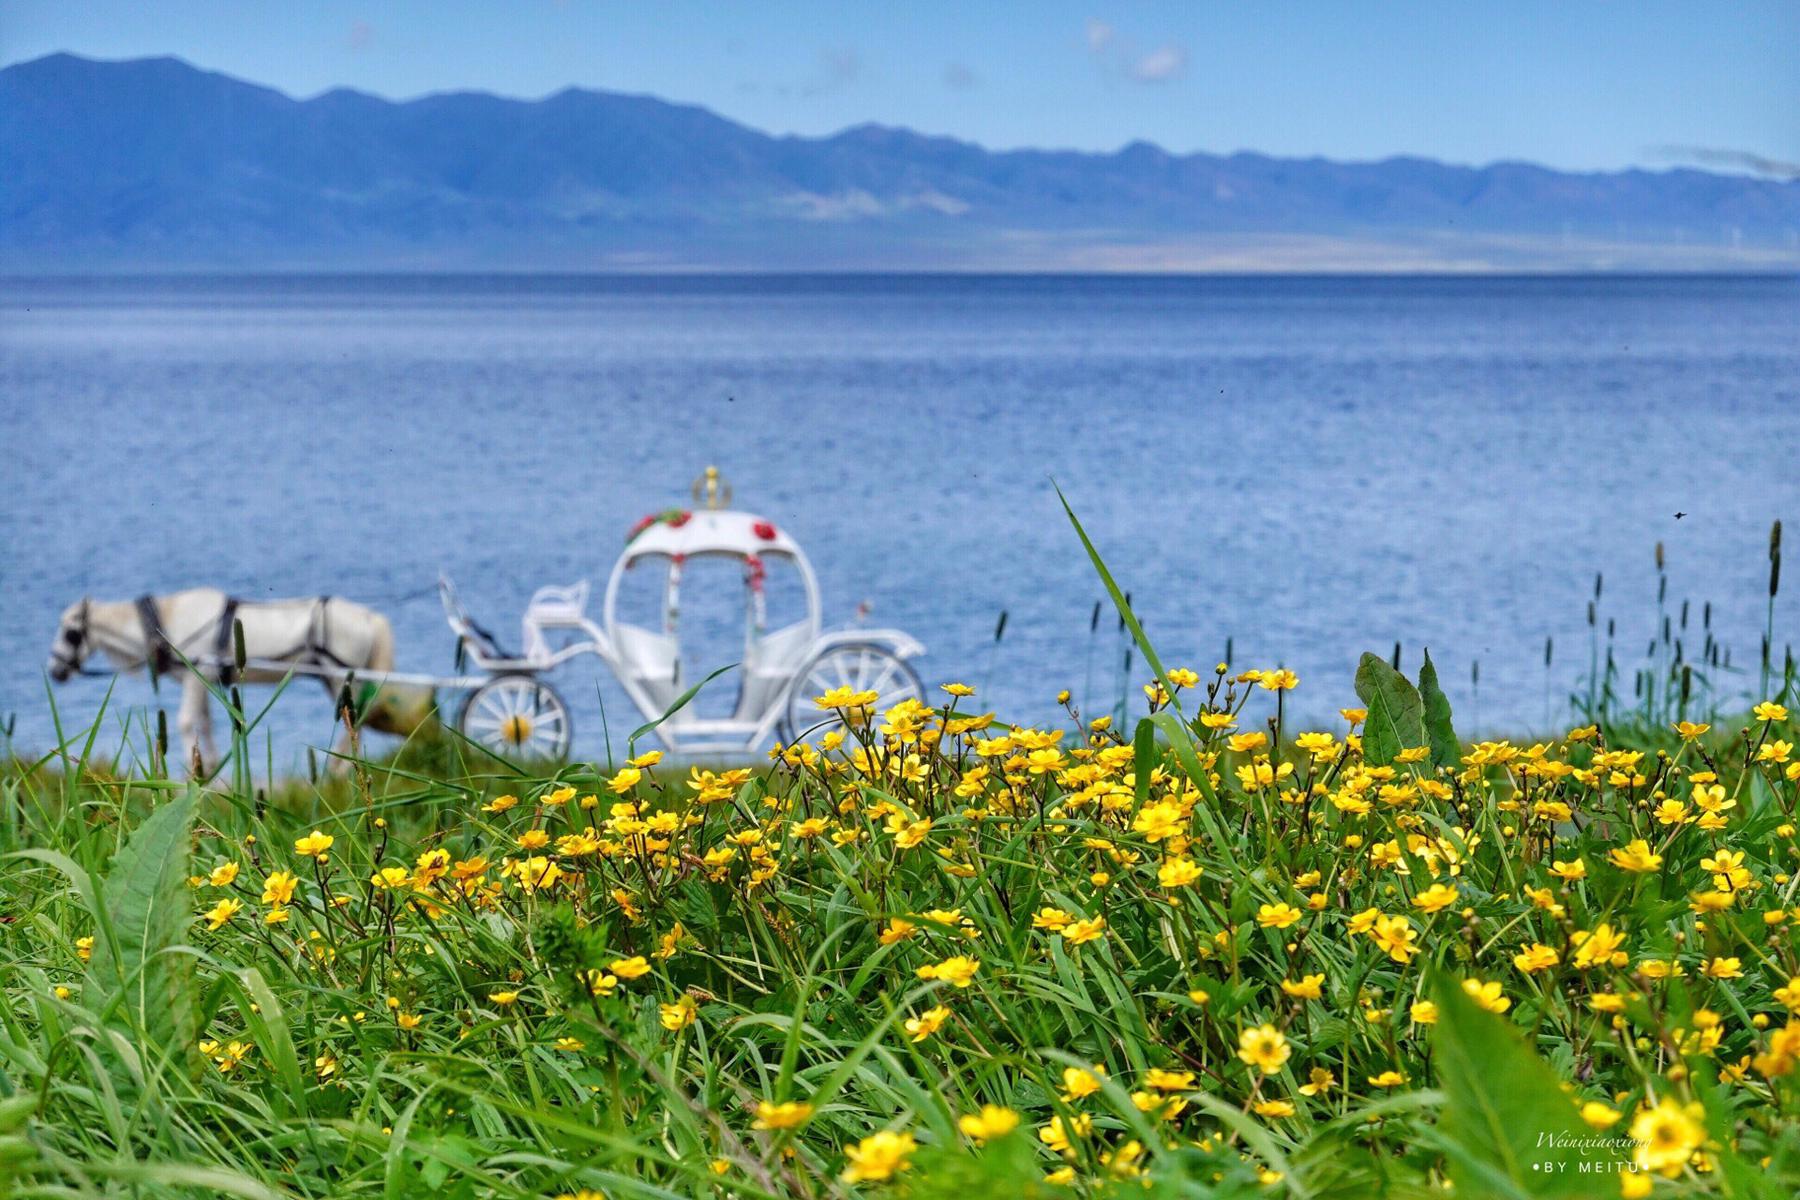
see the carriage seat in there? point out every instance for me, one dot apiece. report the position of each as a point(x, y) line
point(654, 663)
point(552, 607)
point(468, 630)
point(770, 664)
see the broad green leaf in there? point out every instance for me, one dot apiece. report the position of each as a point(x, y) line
point(1181, 740)
point(1396, 714)
point(147, 906)
point(1510, 1131)
point(1446, 751)
point(1143, 756)
point(267, 1024)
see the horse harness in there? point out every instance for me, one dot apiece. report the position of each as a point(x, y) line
point(161, 654)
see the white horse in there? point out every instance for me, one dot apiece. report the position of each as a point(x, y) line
point(169, 633)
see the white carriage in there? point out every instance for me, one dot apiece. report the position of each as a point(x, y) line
point(514, 711)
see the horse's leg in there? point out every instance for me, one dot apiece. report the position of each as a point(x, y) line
point(381, 643)
point(342, 747)
point(378, 657)
point(196, 720)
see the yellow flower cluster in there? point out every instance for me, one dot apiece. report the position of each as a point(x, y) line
point(1257, 913)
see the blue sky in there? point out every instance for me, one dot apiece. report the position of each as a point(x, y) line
point(1575, 84)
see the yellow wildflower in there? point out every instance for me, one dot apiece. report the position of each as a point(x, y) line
point(991, 1122)
point(1265, 1048)
point(314, 845)
point(222, 912)
point(879, 1156)
point(957, 970)
point(789, 1114)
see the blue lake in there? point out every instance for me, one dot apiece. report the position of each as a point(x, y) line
point(1306, 466)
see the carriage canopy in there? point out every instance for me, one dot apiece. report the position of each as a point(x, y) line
point(652, 656)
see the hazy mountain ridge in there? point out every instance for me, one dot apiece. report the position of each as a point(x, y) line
point(154, 163)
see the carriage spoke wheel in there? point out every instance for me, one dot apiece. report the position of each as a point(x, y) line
point(517, 717)
point(861, 667)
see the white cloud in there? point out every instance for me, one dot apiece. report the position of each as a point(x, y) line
point(1121, 57)
point(1165, 62)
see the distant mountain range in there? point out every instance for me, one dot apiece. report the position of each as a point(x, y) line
point(155, 164)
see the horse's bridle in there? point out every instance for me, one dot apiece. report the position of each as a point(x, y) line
point(67, 651)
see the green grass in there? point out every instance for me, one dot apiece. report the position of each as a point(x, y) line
point(435, 1015)
point(796, 997)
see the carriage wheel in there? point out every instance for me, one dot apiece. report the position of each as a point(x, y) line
point(517, 717)
point(859, 666)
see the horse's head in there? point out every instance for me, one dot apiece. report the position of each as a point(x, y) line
point(74, 642)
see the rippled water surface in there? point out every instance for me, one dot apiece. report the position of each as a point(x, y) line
point(1308, 467)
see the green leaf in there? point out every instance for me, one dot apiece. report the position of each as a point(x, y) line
point(1256, 1136)
point(1510, 1130)
point(1143, 757)
point(681, 702)
point(1181, 738)
point(1118, 596)
point(85, 882)
point(267, 1024)
point(1446, 751)
point(147, 910)
point(1396, 714)
point(1736, 1179)
point(207, 1181)
point(1181, 741)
